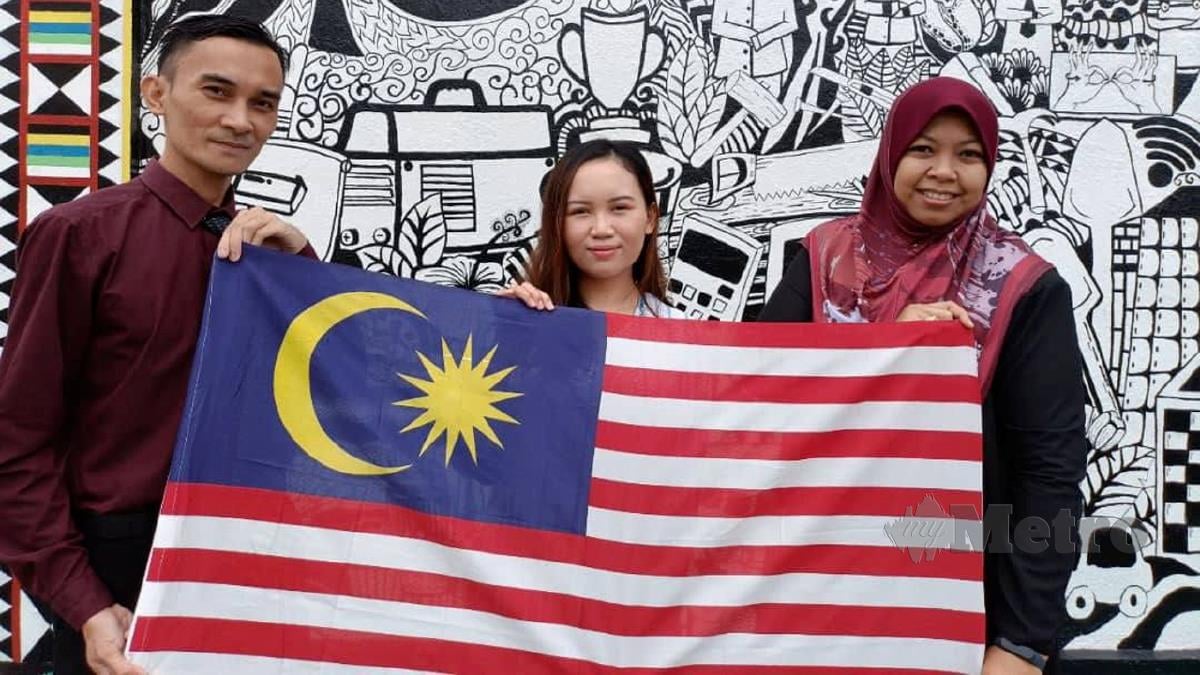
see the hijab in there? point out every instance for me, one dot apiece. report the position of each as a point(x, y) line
point(870, 266)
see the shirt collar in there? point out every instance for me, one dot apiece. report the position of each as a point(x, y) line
point(181, 199)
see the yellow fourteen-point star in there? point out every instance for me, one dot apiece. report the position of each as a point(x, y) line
point(459, 400)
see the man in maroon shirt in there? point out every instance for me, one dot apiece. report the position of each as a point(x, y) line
point(105, 311)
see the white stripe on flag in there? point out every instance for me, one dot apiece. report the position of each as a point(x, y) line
point(702, 532)
point(796, 361)
point(766, 474)
point(788, 417)
point(220, 601)
point(296, 541)
point(181, 663)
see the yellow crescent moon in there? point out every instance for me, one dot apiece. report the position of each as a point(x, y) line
point(293, 388)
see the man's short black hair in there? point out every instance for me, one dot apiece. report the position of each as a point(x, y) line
point(196, 28)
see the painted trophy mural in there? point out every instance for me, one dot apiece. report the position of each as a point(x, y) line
point(414, 135)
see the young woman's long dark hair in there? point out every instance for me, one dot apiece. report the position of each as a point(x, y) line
point(550, 267)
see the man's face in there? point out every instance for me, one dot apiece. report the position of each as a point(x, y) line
point(219, 103)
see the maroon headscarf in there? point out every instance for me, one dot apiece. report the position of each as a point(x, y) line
point(870, 266)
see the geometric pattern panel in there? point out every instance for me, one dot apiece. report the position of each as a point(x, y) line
point(1180, 529)
point(115, 95)
point(61, 118)
point(54, 152)
point(51, 152)
point(39, 198)
point(10, 78)
point(59, 121)
point(25, 635)
point(60, 29)
point(60, 88)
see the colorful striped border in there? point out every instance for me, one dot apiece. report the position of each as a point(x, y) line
point(57, 150)
point(58, 155)
point(60, 32)
point(62, 151)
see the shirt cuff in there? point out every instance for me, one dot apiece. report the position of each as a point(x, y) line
point(80, 598)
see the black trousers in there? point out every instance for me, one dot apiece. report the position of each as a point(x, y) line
point(118, 546)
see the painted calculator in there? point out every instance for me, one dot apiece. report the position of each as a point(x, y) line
point(713, 268)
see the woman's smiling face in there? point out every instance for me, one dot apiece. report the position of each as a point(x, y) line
point(942, 175)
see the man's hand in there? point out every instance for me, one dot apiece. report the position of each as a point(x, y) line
point(104, 636)
point(261, 228)
point(996, 661)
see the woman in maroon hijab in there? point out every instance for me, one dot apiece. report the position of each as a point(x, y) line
point(924, 247)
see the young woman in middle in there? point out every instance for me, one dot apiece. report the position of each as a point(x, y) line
point(598, 244)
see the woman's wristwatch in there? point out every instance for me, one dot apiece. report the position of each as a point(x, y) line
point(1022, 652)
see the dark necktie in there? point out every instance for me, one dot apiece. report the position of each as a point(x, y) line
point(216, 221)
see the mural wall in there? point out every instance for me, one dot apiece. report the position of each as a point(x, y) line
point(414, 134)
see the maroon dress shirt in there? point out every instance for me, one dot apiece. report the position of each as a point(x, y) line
point(105, 311)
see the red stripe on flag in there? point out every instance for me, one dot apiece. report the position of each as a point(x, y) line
point(787, 389)
point(812, 336)
point(360, 648)
point(793, 501)
point(424, 588)
point(338, 514)
point(773, 445)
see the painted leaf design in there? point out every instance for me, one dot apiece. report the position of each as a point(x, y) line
point(686, 83)
point(860, 115)
point(691, 102)
point(670, 111)
point(674, 21)
point(424, 226)
point(880, 72)
point(404, 246)
point(694, 76)
point(666, 134)
point(903, 61)
point(988, 17)
point(711, 117)
point(856, 57)
point(384, 259)
point(1115, 480)
point(918, 73)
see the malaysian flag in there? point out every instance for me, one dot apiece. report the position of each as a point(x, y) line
point(379, 475)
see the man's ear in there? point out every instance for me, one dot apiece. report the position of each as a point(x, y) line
point(154, 88)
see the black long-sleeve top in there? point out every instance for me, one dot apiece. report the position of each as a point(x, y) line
point(1034, 450)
